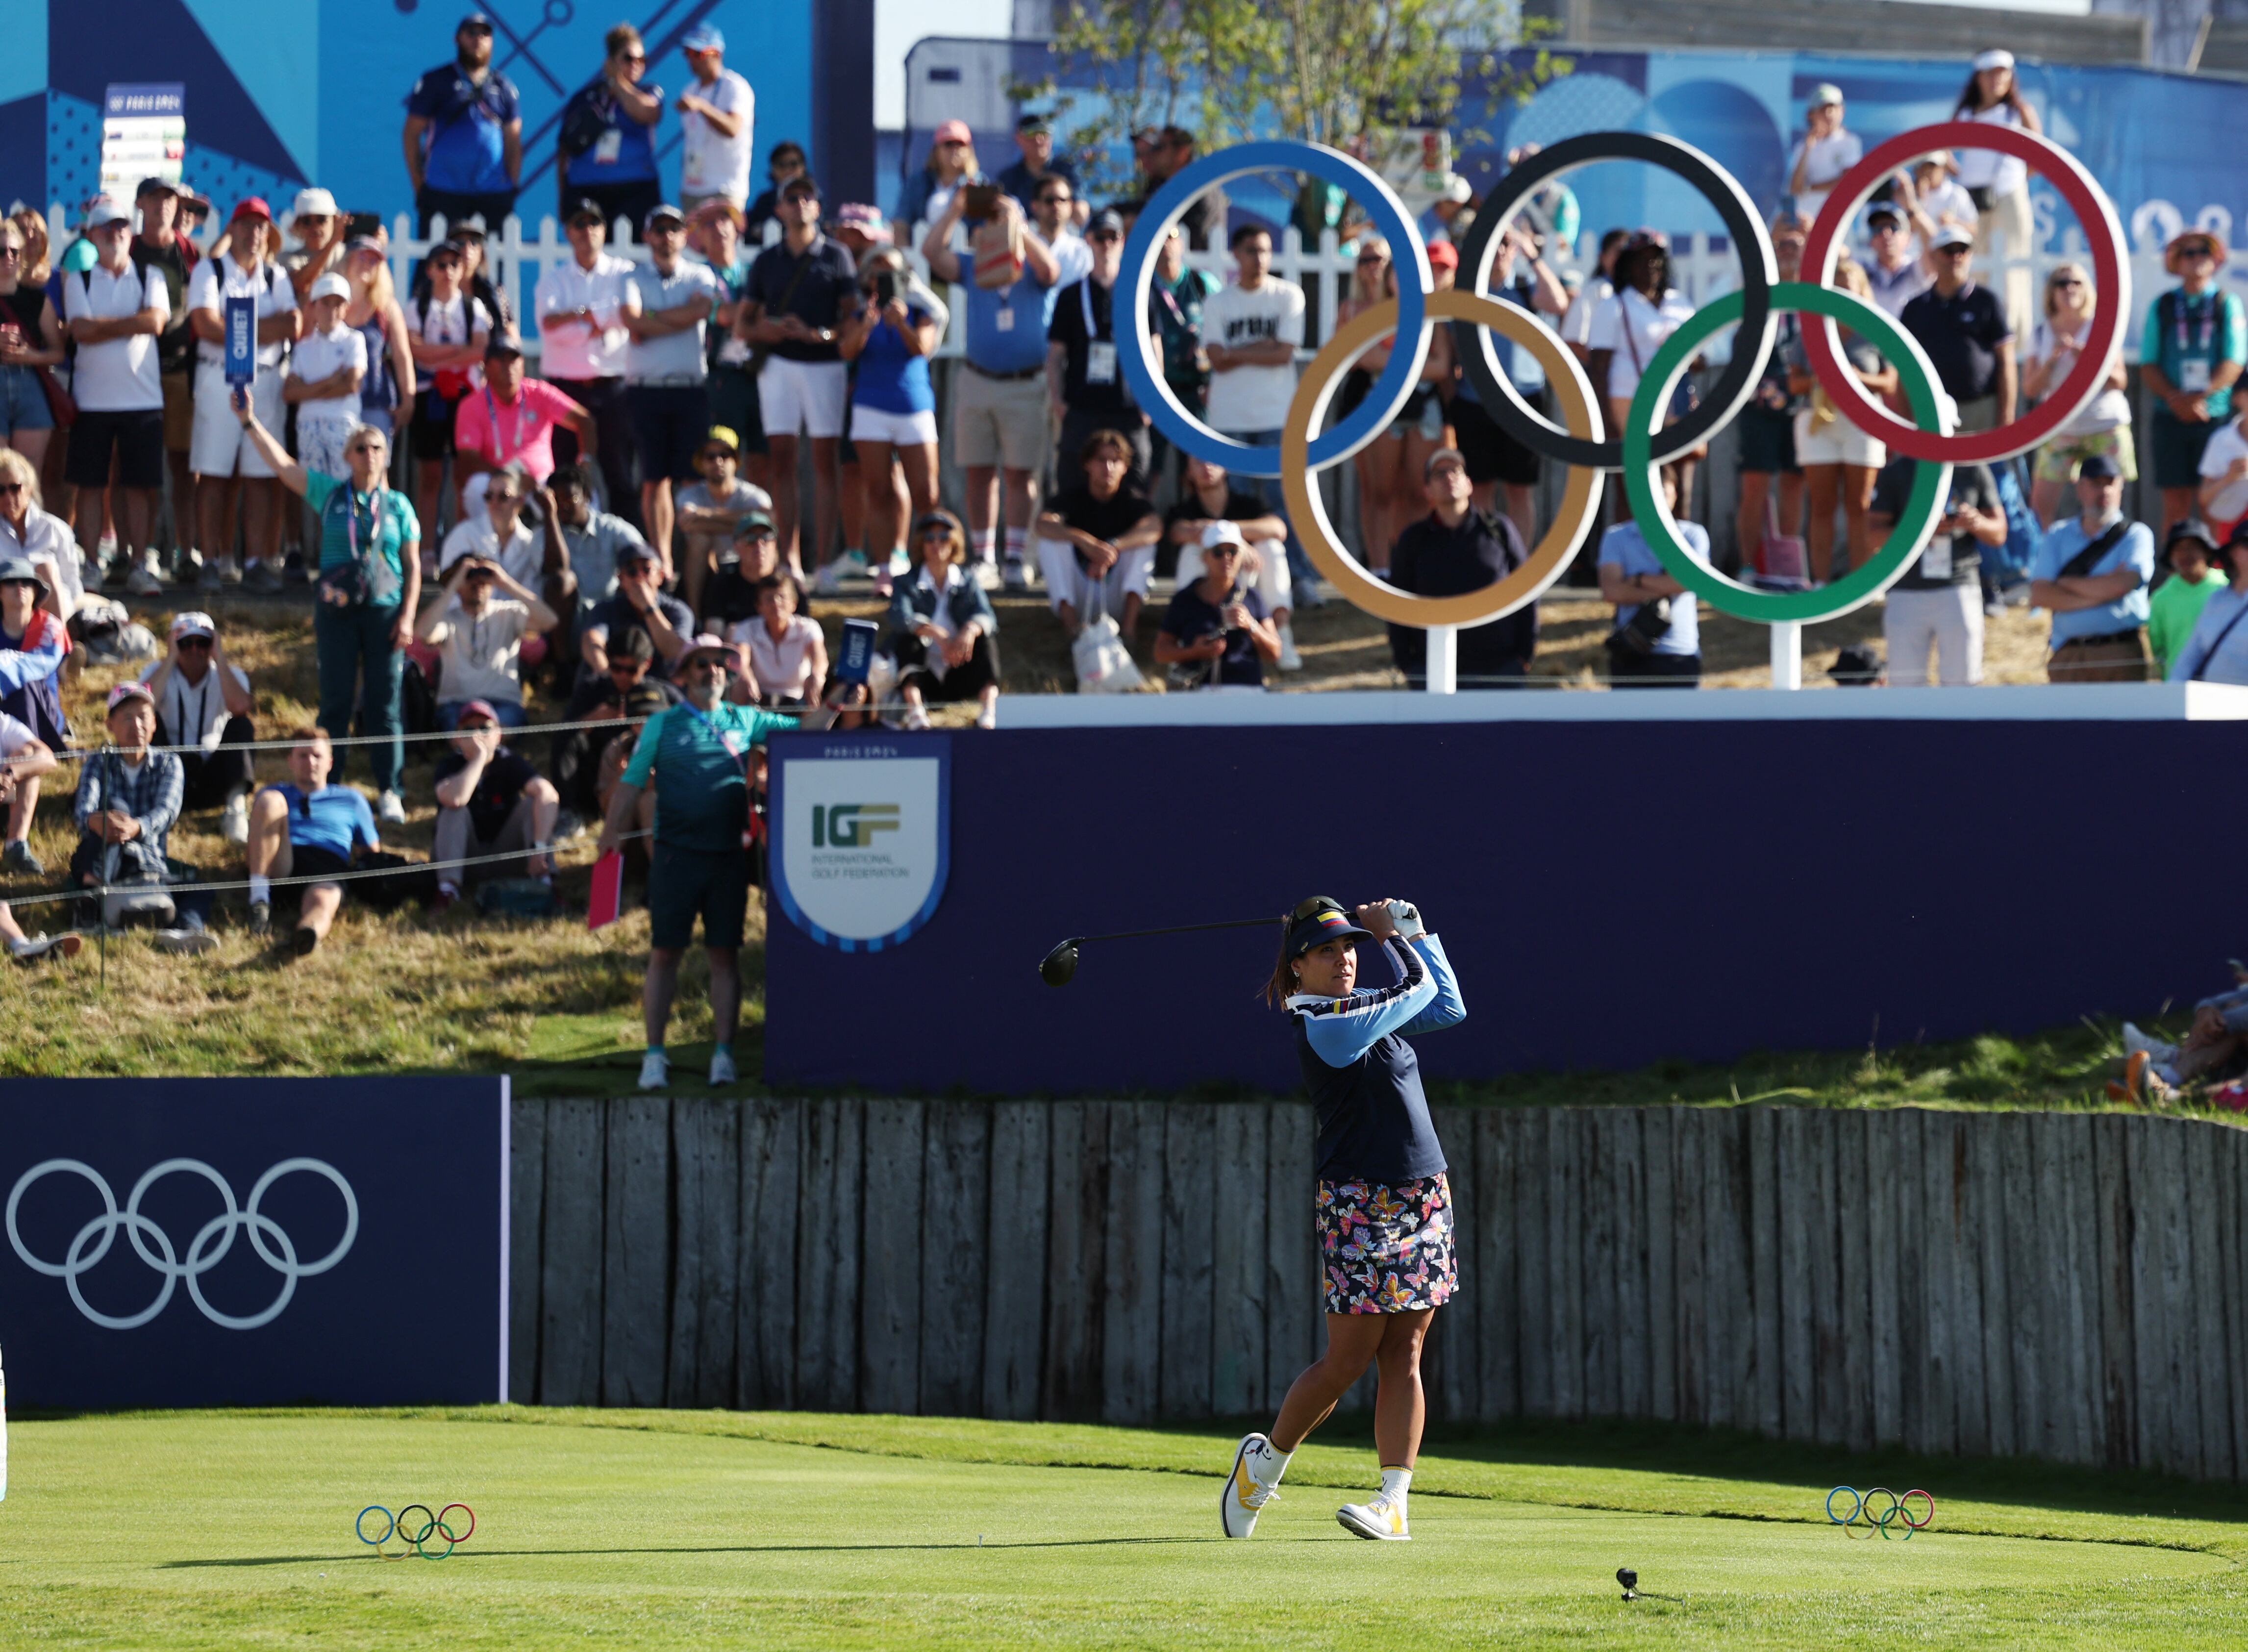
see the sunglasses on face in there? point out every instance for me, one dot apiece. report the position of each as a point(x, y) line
point(187, 643)
point(10, 252)
point(1104, 235)
point(632, 57)
point(7, 488)
point(711, 455)
point(586, 221)
point(2066, 283)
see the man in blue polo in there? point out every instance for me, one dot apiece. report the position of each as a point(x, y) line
point(699, 754)
point(464, 134)
point(2092, 571)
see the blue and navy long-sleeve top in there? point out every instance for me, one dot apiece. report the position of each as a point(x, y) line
point(1364, 1079)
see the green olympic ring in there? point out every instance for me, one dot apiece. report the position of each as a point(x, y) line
point(1931, 483)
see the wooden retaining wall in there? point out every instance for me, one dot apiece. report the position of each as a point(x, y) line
point(2064, 1285)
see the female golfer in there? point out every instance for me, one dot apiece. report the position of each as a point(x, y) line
point(1384, 1210)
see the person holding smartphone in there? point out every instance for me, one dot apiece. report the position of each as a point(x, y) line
point(1939, 601)
point(1215, 633)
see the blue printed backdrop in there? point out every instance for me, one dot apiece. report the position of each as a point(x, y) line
point(281, 92)
point(2148, 136)
point(413, 1312)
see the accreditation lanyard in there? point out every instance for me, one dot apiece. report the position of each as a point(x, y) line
point(374, 503)
point(729, 738)
point(2191, 308)
point(501, 453)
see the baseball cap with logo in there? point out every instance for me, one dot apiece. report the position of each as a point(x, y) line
point(1316, 921)
point(702, 38)
point(251, 206)
point(953, 132)
point(1220, 533)
point(193, 623)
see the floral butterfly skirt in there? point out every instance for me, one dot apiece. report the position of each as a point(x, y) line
point(1386, 1250)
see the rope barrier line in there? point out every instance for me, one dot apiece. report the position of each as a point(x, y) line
point(92, 891)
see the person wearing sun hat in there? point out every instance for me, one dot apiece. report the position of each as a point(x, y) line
point(2174, 609)
point(1382, 1208)
point(2190, 354)
point(697, 755)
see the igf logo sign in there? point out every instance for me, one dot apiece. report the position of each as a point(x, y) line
point(851, 825)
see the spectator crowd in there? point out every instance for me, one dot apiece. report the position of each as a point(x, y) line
point(743, 421)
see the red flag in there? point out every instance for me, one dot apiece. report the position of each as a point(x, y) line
point(608, 890)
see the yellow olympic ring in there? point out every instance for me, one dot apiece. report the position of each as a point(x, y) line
point(1581, 503)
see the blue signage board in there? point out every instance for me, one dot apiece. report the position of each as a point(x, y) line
point(241, 339)
point(227, 1241)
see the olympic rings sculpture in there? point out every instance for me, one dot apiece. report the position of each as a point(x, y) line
point(1898, 1512)
point(415, 1534)
point(1582, 441)
point(211, 1244)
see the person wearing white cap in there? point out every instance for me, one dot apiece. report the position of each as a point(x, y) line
point(228, 468)
point(718, 118)
point(324, 378)
point(114, 311)
point(1826, 151)
point(202, 700)
point(1999, 184)
point(1437, 223)
point(1215, 633)
point(319, 229)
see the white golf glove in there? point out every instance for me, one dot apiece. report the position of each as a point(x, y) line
point(1407, 917)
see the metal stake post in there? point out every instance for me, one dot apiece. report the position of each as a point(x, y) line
point(1787, 655)
point(1444, 659)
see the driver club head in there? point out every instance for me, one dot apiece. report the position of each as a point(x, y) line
point(1058, 966)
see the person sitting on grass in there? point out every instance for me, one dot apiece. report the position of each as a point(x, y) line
point(497, 531)
point(588, 762)
point(782, 655)
point(128, 796)
point(480, 637)
point(1208, 499)
point(491, 801)
point(1097, 540)
point(24, 758)
point(29, 949)
point(204, 701)
point(697, 755)
point(306, 828)
point(943, 635)
point(2154, 1070)
point(709, 512)
point(639, 605)
point(1215, 633)
point(33, 643)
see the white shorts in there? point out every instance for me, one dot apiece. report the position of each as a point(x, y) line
point(1837, 441)
point(899, 430)
point(1067, 582)
point(1271, 581)
point(803, 398)
point(217, 445)
point(320, 444)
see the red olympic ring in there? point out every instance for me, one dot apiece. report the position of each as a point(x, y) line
point(2110, 274)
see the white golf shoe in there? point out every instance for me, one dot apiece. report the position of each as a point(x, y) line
point(1377, 1518)
point(655, 1070)
point(1246, 1489)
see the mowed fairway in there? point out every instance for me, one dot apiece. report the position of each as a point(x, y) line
point(212, 1529)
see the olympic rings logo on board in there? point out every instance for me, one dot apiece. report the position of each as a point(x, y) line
point(211, 1246)
point(1581, 440)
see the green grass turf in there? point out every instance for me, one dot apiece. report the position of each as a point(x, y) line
point(715, 1529)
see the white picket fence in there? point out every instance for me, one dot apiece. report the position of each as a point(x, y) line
point(515, 264)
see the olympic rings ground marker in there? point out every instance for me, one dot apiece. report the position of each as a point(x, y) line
point(200, 1257)
point(1142, 357)
point(1759, 272)
point(1579, 503)
point(417, 1535)
point(2111, 275)
point(1931, 483)
point(1886, 1521)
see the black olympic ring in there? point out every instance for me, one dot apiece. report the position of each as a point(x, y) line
point(1734, 386)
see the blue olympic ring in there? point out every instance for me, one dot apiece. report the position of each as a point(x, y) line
point(1143, 363)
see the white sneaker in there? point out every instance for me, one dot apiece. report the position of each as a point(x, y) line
point(1290, 660)
point(234, 822)
point(917, 718)
point(2134, 1041)
point(988, 717)
point(144, 581)
point(655, 1070)
point(830, 580)
point(390, 809)
point(1245, 1493)
point(721, 1068)
point(1377, 1518)
point(985, 573)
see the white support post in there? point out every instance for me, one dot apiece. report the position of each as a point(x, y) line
point(1787, 656)
point(1444, 659)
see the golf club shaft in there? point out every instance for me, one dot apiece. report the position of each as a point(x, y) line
point(1183, 929)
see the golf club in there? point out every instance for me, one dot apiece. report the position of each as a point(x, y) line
point(1058, 966)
